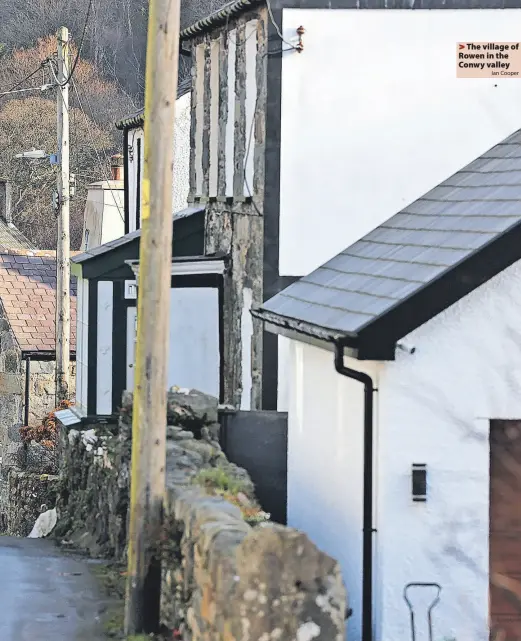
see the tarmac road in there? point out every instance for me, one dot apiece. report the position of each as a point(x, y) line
point(46, 595)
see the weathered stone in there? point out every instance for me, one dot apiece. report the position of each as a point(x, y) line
point(14, 456)
point(12, 362)
point(177, 433)
point(191, 409)
point(29, 496)
point(222, 579)
point(10, 383)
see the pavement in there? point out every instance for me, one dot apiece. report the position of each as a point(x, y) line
point(46, 594)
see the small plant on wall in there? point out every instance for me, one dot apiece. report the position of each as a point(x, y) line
point(45, 433)
point(217, 481)
point(45, 436)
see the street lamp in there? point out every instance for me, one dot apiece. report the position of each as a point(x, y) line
point(39, 154)
point(33, 154)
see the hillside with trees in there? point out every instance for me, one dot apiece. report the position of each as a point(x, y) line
point(108, 85)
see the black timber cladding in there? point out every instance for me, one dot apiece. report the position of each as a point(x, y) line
point(417, 263)
point(188, 240)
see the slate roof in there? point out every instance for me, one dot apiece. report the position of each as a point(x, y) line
point(99, 250)
point(219, 17)
point(12, 238)
point(28, 296)
point(457, 236)
point(137, 119)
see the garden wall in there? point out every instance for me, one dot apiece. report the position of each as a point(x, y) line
point(228, 574)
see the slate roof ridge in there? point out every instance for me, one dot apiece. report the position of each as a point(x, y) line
point(138, 117)
point(218, 18)
point(374, 287)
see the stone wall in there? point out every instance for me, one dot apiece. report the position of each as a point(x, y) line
point(228, 574)
point(30, 494)
point(13, 455)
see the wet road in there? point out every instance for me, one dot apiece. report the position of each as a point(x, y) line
point(46, 595)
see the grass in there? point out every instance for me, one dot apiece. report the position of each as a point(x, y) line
point(217, 481)
point(217, 478)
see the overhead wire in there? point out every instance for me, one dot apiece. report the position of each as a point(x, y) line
point(28, 77)
point(80, 46)
point(277, 28)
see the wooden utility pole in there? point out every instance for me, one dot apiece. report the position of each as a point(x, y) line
point(63, 300)
point(149, 411)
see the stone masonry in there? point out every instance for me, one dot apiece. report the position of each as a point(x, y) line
point(227, 576)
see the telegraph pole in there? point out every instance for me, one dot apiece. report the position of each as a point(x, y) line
point(147, 485)
point(63, 300)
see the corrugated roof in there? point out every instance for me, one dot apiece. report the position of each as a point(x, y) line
point(28, 295)
point(137, 119)
point(411, 250)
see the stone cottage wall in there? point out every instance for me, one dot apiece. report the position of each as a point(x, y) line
point(226, 576)
point(13, 455)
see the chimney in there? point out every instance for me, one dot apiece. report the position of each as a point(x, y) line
point(5, 201)
point(104, 215)
point(116, 167)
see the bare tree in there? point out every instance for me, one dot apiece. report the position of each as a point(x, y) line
point(115, 38)
point(31, 122)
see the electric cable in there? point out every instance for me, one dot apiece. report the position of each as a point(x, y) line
point(82, 40)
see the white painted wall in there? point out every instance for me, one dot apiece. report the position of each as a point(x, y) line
point(230, 122)
point(199, 118)
point(104, 348)
point(437, 404)
point(433, 407)
point(131, 345)
point(215, 52)
point(246, 347)
point(181, 142)
point(82, 343)
point(134, 136)
point(386, 123)
point(325, 464)
point(104, 213)
point(250, 35)
point(194, 359)
point(181, 184)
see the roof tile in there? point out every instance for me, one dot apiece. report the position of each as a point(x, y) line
point(27, 293)
point(413, 248)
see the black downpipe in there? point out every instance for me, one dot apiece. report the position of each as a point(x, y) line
point(27, 388)
point(367, 528)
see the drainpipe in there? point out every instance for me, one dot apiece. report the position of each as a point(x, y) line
point(27, 386)
point(367, 528)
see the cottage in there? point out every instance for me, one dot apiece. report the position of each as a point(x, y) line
point(404, 402)
point(134, 158)
point(107, 296)
point(294, 132)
